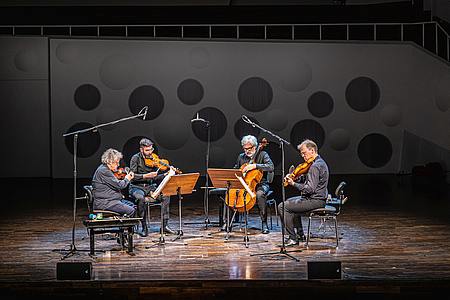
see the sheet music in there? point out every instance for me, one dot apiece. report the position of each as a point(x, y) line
point(247, 188)
point(163, 183)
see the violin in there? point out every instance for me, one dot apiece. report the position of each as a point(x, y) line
point(163, 164)
point(235, 198)
point(120, 173)
point(299, 170)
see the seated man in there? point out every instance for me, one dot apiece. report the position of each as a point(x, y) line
point(261, 161)
point(145, 181)
point(107, 188)
point(313, 192)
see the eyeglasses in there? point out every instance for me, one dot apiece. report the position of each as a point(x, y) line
point(248, 148)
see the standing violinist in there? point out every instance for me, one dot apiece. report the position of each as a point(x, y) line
point(261, 162)
point(106, 188)
point(146, 180)
point(313, 192)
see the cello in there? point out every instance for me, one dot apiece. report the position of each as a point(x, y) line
point(235, 198)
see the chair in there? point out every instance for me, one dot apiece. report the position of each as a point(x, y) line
point(149, 203)
point(271, 204)
point(331, 211)
point(111, 222)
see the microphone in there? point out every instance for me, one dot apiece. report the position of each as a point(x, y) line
point(247, 120)
point(145, 113)
point(197, 119)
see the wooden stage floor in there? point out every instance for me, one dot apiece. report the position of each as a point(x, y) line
point(383, 250)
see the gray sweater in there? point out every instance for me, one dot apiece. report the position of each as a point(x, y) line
point(106, 188)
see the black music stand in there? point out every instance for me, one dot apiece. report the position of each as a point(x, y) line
point(229, 179)
point(176, 185)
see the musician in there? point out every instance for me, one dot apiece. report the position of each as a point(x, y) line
point(146, 180)
point(313, 192)
point(107, 188)
point(261, 162)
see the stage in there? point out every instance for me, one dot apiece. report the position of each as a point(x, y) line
point(387, 249)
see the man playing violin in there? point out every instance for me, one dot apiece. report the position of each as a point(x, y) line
point(313, 192)
point(106, 187)
point(261, 162)
point(146, 180)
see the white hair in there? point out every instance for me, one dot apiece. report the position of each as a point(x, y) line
point(110, 156)
point(249, 139)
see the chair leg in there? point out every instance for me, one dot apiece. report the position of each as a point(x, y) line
point(336, 229)
point(309, 232)
point(276, 211)
point(269, 211)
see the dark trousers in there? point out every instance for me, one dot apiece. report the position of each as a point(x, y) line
point(293, 208)
point(123, 207)
point(139, 195)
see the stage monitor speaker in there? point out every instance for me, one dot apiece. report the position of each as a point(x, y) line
point(324, 269)
point(73, 270)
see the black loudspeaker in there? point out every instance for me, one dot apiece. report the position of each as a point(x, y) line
point(73, 270)
point(324, 270)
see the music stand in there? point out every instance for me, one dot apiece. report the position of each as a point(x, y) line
point(179, 185)
point(230, 179)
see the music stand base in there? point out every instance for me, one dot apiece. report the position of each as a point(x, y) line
point(282, 251)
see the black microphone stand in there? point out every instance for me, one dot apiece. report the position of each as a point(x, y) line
point(206, 194)
point(73, 249)
point(283, 195)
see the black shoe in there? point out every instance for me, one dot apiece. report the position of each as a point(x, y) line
point(301, 238)
point(144, 231)
point(168, 230)
point(265, 228)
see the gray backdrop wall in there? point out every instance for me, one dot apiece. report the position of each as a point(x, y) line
point(362, 103)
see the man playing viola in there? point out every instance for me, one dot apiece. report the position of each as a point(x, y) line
point(261, 162)
point(146, 180)
point(106, 188)
point(313, 192)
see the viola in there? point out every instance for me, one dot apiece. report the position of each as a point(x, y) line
point(299, 170)
point(163, 164)
point(235, 198)
point(120, 173)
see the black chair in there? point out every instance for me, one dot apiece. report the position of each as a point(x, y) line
point(111, 222)
point(149, 203)
point(271, 205)
point(331, 211)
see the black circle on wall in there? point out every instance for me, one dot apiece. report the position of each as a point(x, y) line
point(218, 124)
point(255, 94)
point(87, 97)
point(190, 92)
point(88, 142)
point(241, 128)
point(362, 94)
point(146, 95)
point(320, 104)
point(375, 150)
point(307, 129)
point(131, 147)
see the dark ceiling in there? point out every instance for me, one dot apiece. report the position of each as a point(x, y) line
point(97, 12)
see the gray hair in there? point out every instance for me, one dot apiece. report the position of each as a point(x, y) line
point(249, 139)
point(111, 155)
point(308, 144)
point(145, 143)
